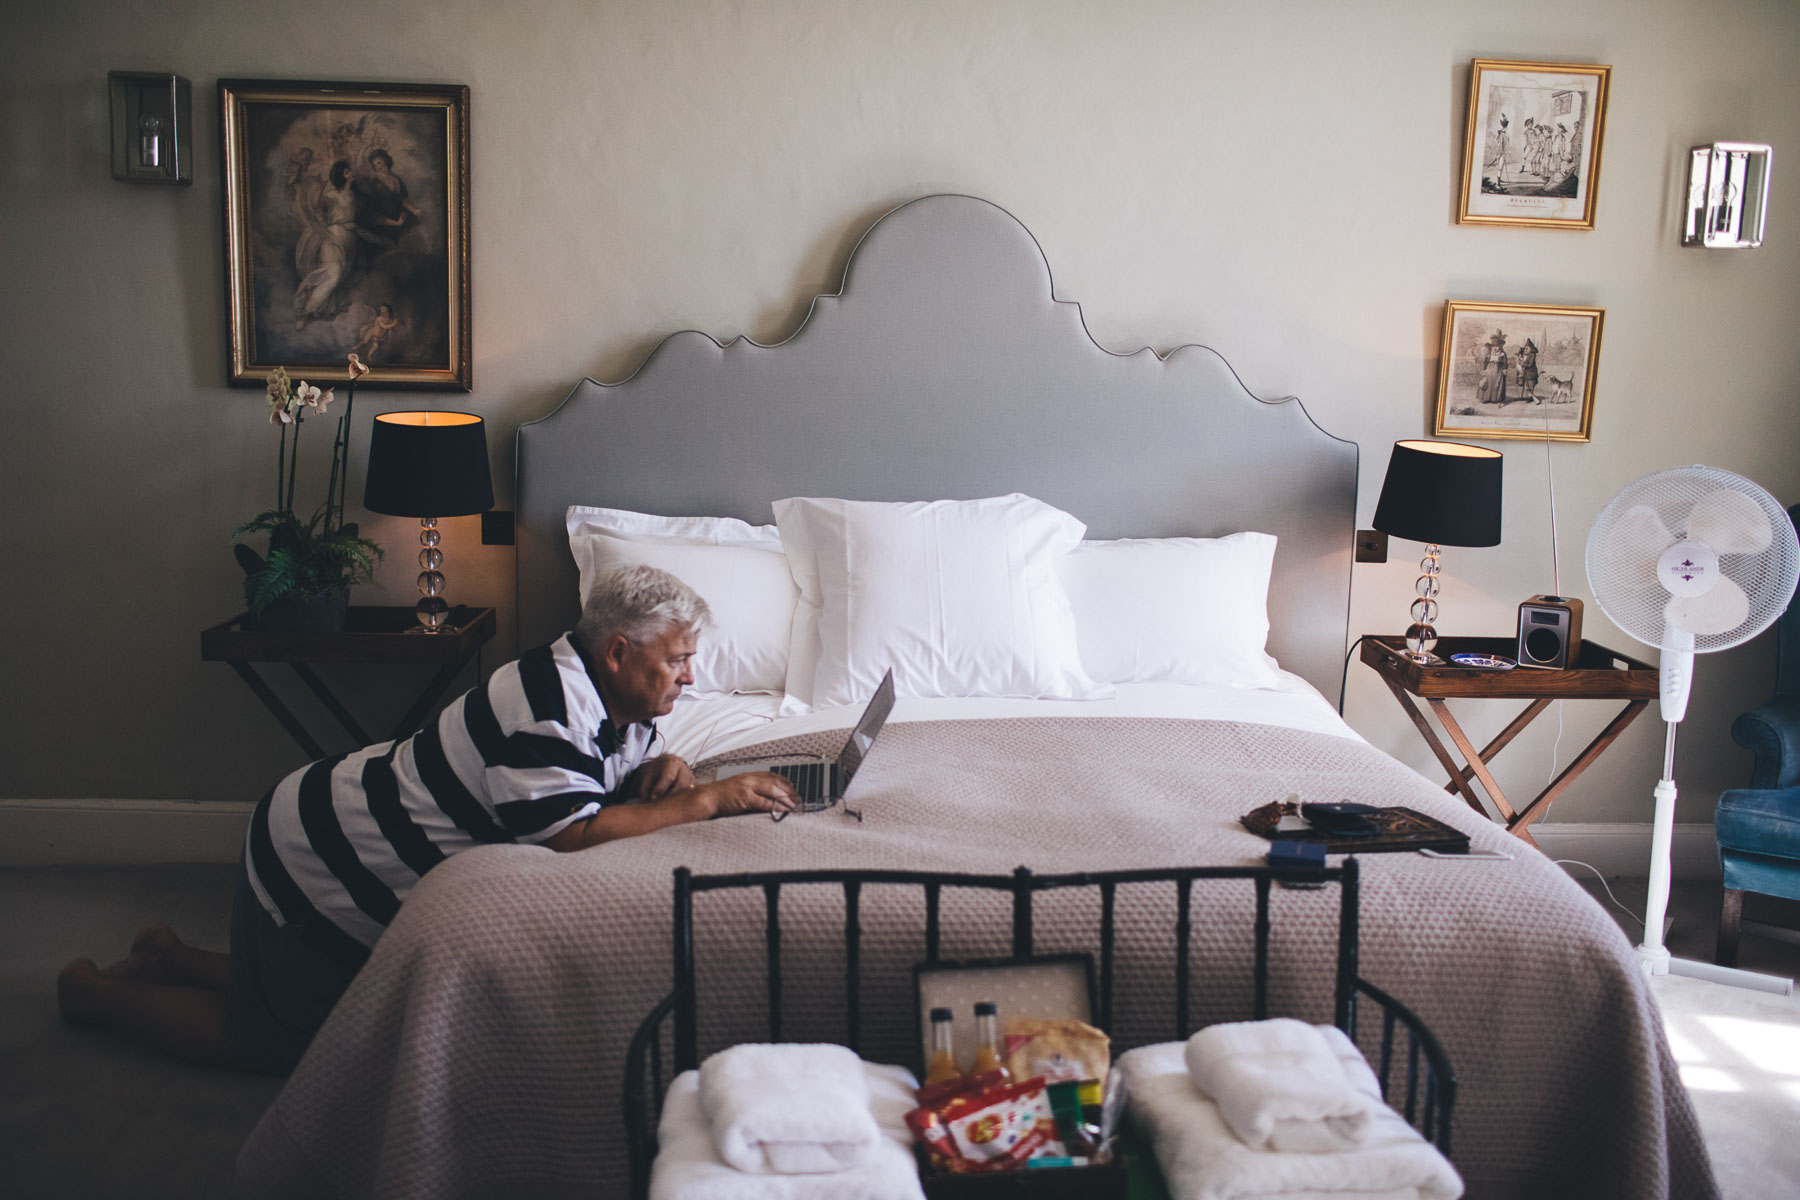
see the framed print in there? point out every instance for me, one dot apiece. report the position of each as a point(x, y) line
point(1518, 371)
point(347, 230)
point(1531, 153)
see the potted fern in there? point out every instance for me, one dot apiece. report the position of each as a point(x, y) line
point(302, 582)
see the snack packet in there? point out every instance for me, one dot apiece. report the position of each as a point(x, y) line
point(995, 1130)
point(1056, 1049)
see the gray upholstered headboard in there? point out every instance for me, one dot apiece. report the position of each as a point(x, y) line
point(945, 368)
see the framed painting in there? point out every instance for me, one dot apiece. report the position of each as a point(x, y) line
point(1531, 153)
point(1518, 371)
point(347, 230)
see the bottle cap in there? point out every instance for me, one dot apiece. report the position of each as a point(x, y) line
point(942, 1014)
point(985, 1008)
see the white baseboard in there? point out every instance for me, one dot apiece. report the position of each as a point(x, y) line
point(35, 833)
point(1624, 849)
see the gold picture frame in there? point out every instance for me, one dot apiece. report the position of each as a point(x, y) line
point(1518, 370)
point(1531, 149)
point(347, 230)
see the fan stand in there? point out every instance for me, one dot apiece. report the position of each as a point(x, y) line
point(1654, 955)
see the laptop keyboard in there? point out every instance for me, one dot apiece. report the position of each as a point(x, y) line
point(812, 780)
point(817, 783)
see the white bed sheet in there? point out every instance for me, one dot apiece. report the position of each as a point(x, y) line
point(705, 727)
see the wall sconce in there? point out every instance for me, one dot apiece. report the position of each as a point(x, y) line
point(151, 115)
point(1728, 195)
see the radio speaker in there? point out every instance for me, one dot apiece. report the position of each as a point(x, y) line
point(1550, 632)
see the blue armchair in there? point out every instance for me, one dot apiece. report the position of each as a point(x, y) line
point(1758, 827)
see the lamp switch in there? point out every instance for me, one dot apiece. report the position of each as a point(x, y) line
point(1371, 546)
point(497, 527)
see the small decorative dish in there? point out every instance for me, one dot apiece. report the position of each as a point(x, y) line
point(1483, 662)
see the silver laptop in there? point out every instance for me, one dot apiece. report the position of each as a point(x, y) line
point(822, 781)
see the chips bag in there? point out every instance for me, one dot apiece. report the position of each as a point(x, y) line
point(1056, 1049)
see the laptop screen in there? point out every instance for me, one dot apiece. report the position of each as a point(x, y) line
point(856, 746)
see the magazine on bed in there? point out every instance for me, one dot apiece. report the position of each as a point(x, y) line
point(1394, 829)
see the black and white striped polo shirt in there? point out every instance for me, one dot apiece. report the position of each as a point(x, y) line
point(335, 847)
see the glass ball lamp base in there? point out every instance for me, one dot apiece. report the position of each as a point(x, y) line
point(434, 616)
point(432, 609)
point(1421, 634)
point(1420, 639)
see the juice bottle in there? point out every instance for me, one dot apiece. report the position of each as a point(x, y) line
point(942, 1064)
point(987, 1042)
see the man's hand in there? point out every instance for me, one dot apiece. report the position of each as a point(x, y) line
point(663, 775)
point(752, 791)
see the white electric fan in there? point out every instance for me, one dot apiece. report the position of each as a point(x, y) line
point(1689, 560)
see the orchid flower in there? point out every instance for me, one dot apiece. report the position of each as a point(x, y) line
point(312, 397)
point(278, 412)
point(358, 368)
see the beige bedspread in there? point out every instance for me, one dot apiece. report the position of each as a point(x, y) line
point(480, 1052)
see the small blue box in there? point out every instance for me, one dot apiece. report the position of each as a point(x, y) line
point(1308, 856)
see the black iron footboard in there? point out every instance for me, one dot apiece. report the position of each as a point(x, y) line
point(1425, 1095)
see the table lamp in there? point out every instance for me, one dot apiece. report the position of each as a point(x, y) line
point(429, 465)
point(1442, 494)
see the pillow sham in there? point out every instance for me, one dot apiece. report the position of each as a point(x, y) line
point(1188, 610)
point(737, 568)
point(959, 597)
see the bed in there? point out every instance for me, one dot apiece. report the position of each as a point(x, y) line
point(480, 1051)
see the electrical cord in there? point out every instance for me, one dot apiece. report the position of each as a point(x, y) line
point(1571, 862)
point(1344, 681)
point(1555, 746)
point(1550, 474)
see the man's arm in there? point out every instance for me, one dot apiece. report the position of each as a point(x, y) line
point(753, 791)
point(657, 777)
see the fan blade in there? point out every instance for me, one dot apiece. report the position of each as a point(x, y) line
point(1636, 539)
point(1719, 609)
point(1730, 522)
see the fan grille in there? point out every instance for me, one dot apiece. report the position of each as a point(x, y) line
point(1622, 554)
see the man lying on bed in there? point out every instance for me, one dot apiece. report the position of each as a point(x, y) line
point(546, 752)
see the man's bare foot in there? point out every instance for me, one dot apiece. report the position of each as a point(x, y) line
point(149, 959)
point(80, 989)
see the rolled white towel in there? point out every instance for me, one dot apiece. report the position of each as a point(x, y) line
point(689, 1167)
point(788, 1109)
point(1201, 1159)
point(1280, 1085)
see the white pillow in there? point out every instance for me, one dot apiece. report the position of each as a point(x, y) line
point(1191, 610)
point(959, 597)
point(737, 568)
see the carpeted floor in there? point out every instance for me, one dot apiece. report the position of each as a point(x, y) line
point(1739, 1050)
point(1740, 1058)
point(84, 1116)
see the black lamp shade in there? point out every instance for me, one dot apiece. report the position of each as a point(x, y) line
point(1443, 492)
point(428, 464)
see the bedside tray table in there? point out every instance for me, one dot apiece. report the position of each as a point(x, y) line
point(1599, 674)
point(372, 634)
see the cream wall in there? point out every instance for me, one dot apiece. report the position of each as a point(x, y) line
point(1276, 181)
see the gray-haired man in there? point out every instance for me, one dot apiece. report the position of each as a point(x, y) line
point(547, 751)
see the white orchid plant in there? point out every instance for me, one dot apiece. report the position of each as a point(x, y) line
point(320, 555)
